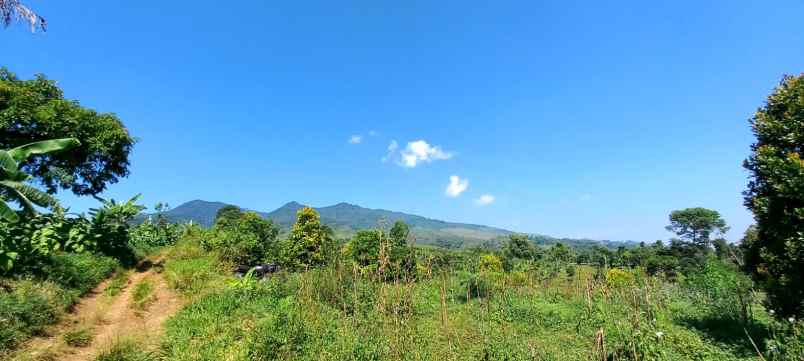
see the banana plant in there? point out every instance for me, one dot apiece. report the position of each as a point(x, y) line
point(13, 186)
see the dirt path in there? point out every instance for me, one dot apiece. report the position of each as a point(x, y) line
point(109, 318)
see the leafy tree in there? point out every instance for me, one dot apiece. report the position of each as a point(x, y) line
point(228, 214)
point(35, 110)
point(775, 195)
point(365, 247)
point(247, 240)
point(11, 10)
point(399, 233)
point(13, 181)
point(696, 225)
point(308, 242)
point(520, 247)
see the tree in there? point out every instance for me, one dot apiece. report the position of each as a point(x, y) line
point(244, 238)
point(35, 110)
point(13, 184)
point(308, 241)
point(399, 233)
point(519, 247)
point(11, 10)
point(696, 225)
point(228, 214)
point(775, 194)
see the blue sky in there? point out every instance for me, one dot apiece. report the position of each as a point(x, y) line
point(581, 119)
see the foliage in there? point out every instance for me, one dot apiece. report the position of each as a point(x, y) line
point(308, 242)
point(38, 299)
point(155, 233)
point(696, 225)
point(247, 240)
point(228, 214)
point(365, 246)
point(775, 195)
point(490, 263)
point(722, 290)
point(520, 247)
point(35, 110)
point(619, 278)
point(12, 179)
point(109, 228)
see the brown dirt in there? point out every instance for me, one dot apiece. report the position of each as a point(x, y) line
point(108, 319)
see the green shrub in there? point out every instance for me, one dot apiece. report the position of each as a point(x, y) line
point(248, 240)
point(721, 290)
point(490, 263)
point(78, 272)
point(27, 309)
point(617, 277)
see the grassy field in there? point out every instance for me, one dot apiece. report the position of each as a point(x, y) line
point(339, 313)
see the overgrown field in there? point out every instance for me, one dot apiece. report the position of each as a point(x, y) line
point(343, 312)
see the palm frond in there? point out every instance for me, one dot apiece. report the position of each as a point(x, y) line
point(22, 153)
point(7, 213)
point(28, 196)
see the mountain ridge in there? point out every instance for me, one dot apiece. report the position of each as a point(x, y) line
point(346, 218)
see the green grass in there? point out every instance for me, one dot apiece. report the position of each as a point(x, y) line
point(31, 302)
point(330, 315)
point(126, 350)
point(117, 283)
point(142, 295)
point(81, 337)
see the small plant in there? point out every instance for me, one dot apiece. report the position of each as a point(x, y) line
point(142, 295)
point(118, 282)
point(81, 337)
point(125, 350)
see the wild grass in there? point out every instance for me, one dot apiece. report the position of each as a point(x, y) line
point(117, 283)
point(142, 295)
point(126, 350)
point(80, 337)
point(339, 313)
point(31, 302)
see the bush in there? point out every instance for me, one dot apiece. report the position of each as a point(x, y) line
point(721, 290)
point(78, 272)
point(617, 277)
point(246, 240)
point(490, 263)
point(27, 309)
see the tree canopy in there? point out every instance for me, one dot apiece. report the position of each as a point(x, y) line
point(35, 110)
point(775, 194)
point(697, 225)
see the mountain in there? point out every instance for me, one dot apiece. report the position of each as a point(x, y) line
point(346, 219)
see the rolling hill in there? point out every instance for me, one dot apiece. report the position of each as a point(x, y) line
point(347, 218)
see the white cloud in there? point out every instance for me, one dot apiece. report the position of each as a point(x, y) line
point(419, 151)
point(485, 200)
point(373, 133)
point(456, 186)
point(391, 151)
point(355, 139)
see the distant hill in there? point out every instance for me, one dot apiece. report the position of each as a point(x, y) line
point(347, 218)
